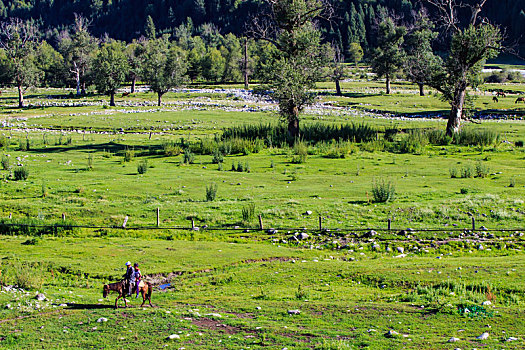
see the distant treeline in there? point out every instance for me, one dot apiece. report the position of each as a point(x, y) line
point(353, 20)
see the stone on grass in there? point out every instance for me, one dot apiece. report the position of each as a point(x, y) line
point(102, 319)
point(173, 337)
point(391, 334)
point(40, 297)
point(214, 315)
point(309, 212)
point(400, 249)
point(483, 336)
point(453, 340)
point(511, 339)
point(294, 312)
point(486, 303)
point(303, 235)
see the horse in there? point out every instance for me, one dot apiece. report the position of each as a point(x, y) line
point(124, 94)
point(520, 99)
point(501, 94)
point(495, 99)
point(120, 287)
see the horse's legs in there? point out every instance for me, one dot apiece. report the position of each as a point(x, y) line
point(143, 297)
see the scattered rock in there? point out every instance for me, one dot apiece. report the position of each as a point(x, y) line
point(62, 305)
point(40, 297)
point(511, 339)
point(483, 336)
point(309, 212)
point(102, 319)
point(400, 250)
point(173, 337)
point(486, 303)
point(294, 312)
point(391, 334)
point(481, 247)
point(214, 315)
point(376, 247)
point(371, 233)
point(453, 340)
point(303, 235)
point(258, 308)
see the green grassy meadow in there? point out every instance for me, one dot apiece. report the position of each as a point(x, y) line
point(231, 286)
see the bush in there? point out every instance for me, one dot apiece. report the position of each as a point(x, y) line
point(453, 173)
point(211, 192)
point(481, 170)
point(301, 152)
point(171, 149)
point(414, 142)
point(383, 191)
point(512, 182)
point(21, 173)
point(22, 274)
point(217, 157)
point(142, 167)
point(464, 190)
point(33, 227)
point(189, 157)
point(4, 142)
point(519, 143)
point(5, 162)
point(90, 161)
point(466, 172)
point(129, 154)
point(248, 212)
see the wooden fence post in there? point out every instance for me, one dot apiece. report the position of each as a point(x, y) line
point(158, 217)
point(320, 223)
point(125, 222)
point(389, 224)
point(192, 224)
point(260, 222)
point(473, 223)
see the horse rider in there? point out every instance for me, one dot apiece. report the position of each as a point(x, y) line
point(127, 277)
point(136, 278)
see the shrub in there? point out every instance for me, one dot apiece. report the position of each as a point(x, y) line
point(383, 191)
point(5, 162)
point(129, 154)
point(248, 212)
point(453, 173)
point(466, 172)
point(512, 182)
point(21, 173)
point(217, 157)
point(481, 170)
point(22, 274)
point(464, 190)
point(189, 157)
point(301, 152)
point(142, 167)
point(211, 192)
point(4, 142)
point(519, 143)
point(171, 149)
point(414, 142)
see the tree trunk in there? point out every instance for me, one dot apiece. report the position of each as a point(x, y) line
point(133, 82)
point(20, 96)
point(456, 112)
point(77, 78)
point(293, 122)
point(421, 89)
point(83, 88)
point(246, 83)
point(388, 84)
point(159, 98)
point(112, 98)
point(338, 88)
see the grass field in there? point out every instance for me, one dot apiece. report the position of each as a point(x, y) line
point(233, 288)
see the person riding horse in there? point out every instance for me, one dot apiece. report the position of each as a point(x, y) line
point(127, 278)
point(136, 278)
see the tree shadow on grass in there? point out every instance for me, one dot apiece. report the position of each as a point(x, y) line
point(72, 306)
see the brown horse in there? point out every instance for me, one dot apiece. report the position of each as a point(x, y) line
point(520, 99)
point(495, 99)
point(120, 287)
point(501, 94)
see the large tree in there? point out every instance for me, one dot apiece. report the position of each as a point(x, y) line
point(388, 57)
point(165, 66)
point(77, 49)
point(421, 63)
point(299, 57)
point(19, 40)
point(110, 68)
point(473, 42)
